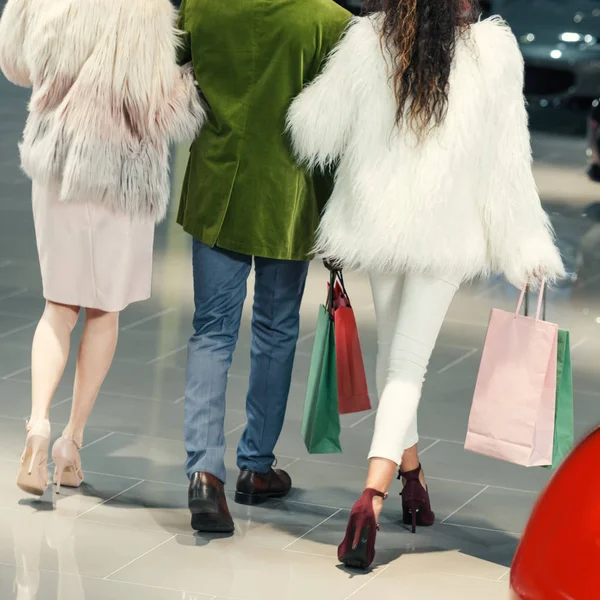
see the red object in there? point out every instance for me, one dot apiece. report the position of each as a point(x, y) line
point(416, 507)
point(357, 550)
point(559, 555)
point(353, 392)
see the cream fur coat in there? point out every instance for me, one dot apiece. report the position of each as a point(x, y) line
point(108, 97)
point(460, 204)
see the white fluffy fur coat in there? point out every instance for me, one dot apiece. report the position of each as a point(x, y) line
point(108, 97)
point(460, 204)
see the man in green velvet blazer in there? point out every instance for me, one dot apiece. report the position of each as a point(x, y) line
point(246, 201)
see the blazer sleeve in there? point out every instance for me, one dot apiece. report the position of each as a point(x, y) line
point(13, 33)
point(520, 234)
point(161, 97)
point(320, 118)
point(184, 49)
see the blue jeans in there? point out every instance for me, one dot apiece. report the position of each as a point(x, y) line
point(220, 279)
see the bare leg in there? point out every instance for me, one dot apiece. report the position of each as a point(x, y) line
point(49, 355)
point(96, 353)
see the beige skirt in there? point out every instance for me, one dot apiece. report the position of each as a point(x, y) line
point(89, 256)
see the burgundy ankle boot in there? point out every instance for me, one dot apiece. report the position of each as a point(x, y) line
point(416, 507)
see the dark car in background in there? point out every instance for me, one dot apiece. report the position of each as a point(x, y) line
point(560, 41)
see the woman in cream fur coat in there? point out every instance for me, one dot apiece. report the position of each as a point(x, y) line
point(107, 100)
point(421, 108)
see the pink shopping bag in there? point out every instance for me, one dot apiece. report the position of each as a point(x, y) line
point(512, 417)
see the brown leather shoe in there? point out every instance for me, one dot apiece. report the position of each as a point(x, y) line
point(208, 505)
point(256, 488)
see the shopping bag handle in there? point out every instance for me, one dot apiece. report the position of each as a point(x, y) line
point(340, 278)
point(541, 301)
point(330, 289)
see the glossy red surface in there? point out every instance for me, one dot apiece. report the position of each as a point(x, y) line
point(559, 555)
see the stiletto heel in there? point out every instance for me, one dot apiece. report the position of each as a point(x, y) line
point(416, 506)
point(67, 472)
point(357, 551)
point(33, 473)
point(58, 474)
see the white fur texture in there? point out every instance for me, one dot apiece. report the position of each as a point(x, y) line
point(460, 204)
point(108, 97)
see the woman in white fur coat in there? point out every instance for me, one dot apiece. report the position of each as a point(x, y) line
point(107, 100)
point(422, 109)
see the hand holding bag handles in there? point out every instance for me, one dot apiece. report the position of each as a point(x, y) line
point(514, 406)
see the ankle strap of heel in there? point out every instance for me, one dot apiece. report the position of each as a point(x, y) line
point(373, 493)
point(410, 475)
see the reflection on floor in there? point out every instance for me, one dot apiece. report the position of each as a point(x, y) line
point(125, 534)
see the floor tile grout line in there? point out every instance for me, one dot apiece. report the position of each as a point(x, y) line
point(471, 483)
point(152, 317)
point(312, 505)
point(60, 403)
point(179, 400)
point(306, 337)
point(503, 575)
point(337, 512)
point(291, 464)
point(580, 343)
point(96, 578)
point(101, 439)
point(366, 583)
point(488, 485)
point(13, 294)
point(108, 392)
point(465, 576)
point(363, 419)
point(92, 443)
point(14, 373)
point(490, 529)
point(167, 355)
point(304, 553)
point(18, 329)
point(434, 443)
point(108, 577)
point(466, 323)
point(235, 429)
point(54, 405)
point(465, 504)
point(458, 361)
point(91, 509)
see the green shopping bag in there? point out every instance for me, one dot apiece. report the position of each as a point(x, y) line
point(564, 428)
point(321, 423)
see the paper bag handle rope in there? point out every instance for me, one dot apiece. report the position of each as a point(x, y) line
point(541, 301)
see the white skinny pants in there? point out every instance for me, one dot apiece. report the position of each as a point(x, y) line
point(410, 311)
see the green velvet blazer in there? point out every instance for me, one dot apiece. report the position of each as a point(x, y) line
point(243, 190)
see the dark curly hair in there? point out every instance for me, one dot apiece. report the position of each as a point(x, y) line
point(421, 38)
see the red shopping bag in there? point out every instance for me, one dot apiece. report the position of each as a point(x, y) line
point(353, 393)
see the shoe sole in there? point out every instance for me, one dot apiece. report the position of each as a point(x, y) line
point(357, 557)
point(205, 519)
point(254, 499)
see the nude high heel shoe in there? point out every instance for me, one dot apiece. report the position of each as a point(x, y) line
point(33, 473)
point(67, 472)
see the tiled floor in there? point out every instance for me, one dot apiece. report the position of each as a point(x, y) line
point(125, 534)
